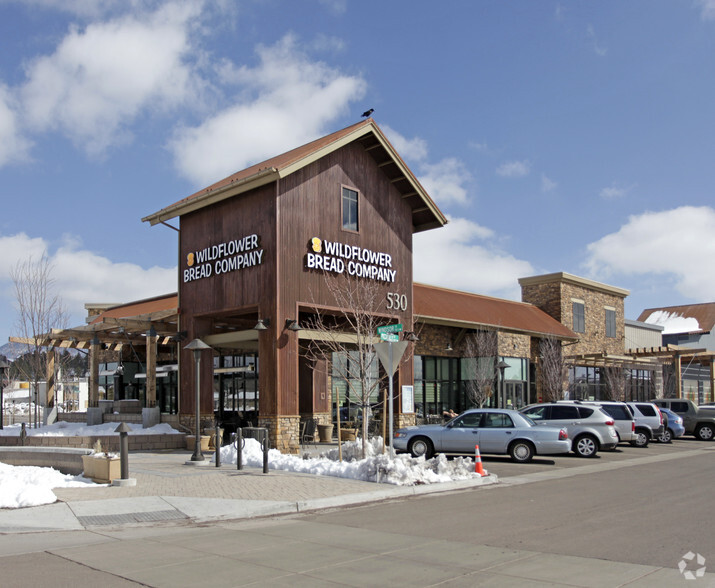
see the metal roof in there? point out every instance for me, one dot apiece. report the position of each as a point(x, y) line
point(454, 308)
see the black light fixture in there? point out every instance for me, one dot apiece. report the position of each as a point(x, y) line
point(262, 324)
point(411, 336)
point(449, 347)
point(292, 325)
point(151, 332)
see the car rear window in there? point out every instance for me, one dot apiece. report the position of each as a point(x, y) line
point(646, 410)
point(679, 406)
point(618, 411)
point(584, 412)
point(560, 411)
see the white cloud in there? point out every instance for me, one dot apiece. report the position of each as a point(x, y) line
point(707, 9)
point(677, 244)
point(411, 150)
point(463, 255)
point(82, 276)
point(13, 146)
point(514, 169)
point(614, 191)
point(445, 180)
point(547, 184)
point(598, 48)
point(102, 77)
point(285, 101)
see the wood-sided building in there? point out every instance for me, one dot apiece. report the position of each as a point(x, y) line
point(254, 253)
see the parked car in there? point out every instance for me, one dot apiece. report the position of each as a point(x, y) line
point(496, 431)
point(624, 421)
point(590, 428)
point(672, 426)
point(649, 421)
point(699, 423)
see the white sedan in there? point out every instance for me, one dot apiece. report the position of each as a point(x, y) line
point(496, 431)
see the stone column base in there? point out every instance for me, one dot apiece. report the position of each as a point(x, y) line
point(283, 432)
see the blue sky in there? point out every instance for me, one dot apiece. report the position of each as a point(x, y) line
point(557, 136)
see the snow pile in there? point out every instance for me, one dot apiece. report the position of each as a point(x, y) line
point(32, 486)
point(672, 322)
point(403, 470)
point(65, 429)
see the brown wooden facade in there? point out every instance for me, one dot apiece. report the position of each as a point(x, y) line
point(277, 221)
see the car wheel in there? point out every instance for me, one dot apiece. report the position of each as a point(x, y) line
point(421, 446)
point(705, 432)
point(641, 439)
point(521, 451)
point(585, 446)
point(666, 436)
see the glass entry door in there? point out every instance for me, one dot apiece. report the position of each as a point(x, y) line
point(515, 395)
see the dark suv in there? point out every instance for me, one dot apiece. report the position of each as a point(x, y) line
point(699, 423)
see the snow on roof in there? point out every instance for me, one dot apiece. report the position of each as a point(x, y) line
point(673, 322)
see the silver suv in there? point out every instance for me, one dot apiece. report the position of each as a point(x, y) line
point(625, 422)
point(590, 428)
point(649, 421)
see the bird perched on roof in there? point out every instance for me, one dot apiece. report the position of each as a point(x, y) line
point(368, 113)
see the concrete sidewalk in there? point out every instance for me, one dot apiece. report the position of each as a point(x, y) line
point(169, 490)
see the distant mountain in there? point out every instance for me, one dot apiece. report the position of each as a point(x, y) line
point(12, 350)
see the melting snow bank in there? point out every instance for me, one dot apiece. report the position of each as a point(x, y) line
point(403, 470)
point(32, 486)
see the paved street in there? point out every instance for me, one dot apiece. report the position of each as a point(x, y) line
point(624, 519)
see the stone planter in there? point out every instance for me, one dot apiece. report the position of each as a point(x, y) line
point(102, 470)
point(211, 433)
point(191, 442)
point(348, 434)
point(325, 433)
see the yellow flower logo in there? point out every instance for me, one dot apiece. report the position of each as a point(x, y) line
point(317, 244)
point(190, 259)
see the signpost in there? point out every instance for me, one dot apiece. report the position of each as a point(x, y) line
point(389, 335)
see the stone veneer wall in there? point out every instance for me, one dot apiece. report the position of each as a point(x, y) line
point(109, 442)
point(283, 432)
point(514, 345)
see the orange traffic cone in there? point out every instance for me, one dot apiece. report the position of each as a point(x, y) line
point(478, 461)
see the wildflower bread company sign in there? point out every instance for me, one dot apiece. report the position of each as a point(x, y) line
point(223, 258)
point(338, 258)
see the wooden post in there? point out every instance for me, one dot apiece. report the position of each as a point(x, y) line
point(94, 372)
point(150, 371)
point(50, 378)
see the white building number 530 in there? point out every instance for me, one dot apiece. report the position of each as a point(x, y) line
point(396, 301)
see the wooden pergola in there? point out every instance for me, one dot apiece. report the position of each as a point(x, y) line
point(652, 357)
point(112, 330)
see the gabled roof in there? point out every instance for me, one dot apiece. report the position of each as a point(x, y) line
point(452, 307)
point(425, 214)
point(704, 314)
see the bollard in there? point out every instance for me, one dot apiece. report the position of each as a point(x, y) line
point(239, 448)
point(217, 445)
point(264, 446)
point(23, 434)
point(123, 430)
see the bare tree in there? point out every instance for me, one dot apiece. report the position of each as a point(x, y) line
point(481, 349)
point(346, 340)
point(616, 380)
point(40, 310)
point(553, 369)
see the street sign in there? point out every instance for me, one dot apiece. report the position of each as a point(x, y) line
point(390, 337)
point(390, 329)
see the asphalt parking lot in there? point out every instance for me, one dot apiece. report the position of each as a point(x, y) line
point(503, 467)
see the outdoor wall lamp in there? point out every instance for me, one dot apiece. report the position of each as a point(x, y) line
point(151, 332)
point(262, 325)
point(292, 325)
point(449, 347)
point(411, 336)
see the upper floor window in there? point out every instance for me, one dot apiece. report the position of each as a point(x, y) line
point(350, 209)
point(579, 317)
point(610, 323)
